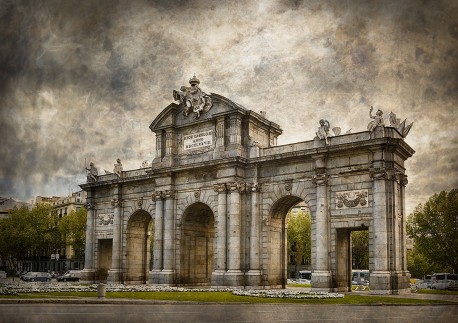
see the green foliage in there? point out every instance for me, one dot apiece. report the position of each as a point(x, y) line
point(434, 228)
point(27, 232)
point(360, 249)
point(73, 229)
point(299, 236)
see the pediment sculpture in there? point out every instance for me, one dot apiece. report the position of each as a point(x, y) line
point(194, 99)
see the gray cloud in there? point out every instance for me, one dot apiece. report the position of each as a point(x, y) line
point(83, 80)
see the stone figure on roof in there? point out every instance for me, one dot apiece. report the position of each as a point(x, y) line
point(92, 173)
point(194, 98)
point(118, 167)
point(323, 130)
point(378, 120)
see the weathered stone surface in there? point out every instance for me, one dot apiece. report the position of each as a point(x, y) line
point(215, 207)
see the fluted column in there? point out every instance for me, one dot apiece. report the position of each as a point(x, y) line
point(254, 274)
point(88, 273)
point(321, 278)
point(158, 231)
point(159, 145)
point(89, 251)
point(234, 274)
point(221, 234)
point(169, 232)
point(221, 229)
point(114, 272)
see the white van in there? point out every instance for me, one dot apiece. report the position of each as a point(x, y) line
point(444, 280)
point(305, 276)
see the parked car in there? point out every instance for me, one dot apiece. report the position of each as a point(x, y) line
point(68, 277)
point(34, 276)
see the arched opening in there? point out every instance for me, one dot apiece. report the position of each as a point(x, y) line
point(278, 244)
point(196, 261)
point(139, 232)
point(352, 258)
point(299, 242)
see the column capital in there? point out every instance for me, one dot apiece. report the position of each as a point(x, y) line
point(237, 187)
point(116, 202)
point(170, 194)
point(220, 187)
point(403, 179)
point(254, 187)
point(157, 195)
point(378, 173)
point(320, 177)
point(89, 206)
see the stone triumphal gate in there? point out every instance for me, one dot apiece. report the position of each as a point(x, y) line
point(211, 208)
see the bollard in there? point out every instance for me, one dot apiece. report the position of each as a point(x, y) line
point(101, 290)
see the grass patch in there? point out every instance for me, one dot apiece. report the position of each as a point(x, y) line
point(300, 285)
point(437, 291)
point(226, 297)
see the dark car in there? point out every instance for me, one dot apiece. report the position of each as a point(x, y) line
point(35, 276)
point(68, 277)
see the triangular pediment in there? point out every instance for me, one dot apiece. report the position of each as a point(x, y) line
point(174, 114)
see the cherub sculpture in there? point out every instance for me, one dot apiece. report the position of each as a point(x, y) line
point(195, 99)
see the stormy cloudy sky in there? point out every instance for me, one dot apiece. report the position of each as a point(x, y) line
point(82, 80)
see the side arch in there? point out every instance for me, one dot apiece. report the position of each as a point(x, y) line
point(138, 242)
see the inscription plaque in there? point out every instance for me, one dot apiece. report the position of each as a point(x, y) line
point(198, 140)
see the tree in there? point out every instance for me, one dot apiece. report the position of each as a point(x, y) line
point(28, 232)
point(360, 249)
point(299, 236)
point(434, 228)
point(73, 230)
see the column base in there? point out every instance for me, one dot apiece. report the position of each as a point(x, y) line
point(87, 275)
point(114, 276)
point(234, 278)
point(218, 278)
point(253, 279)
point(162, 277)
point(321, 281)
point(390, 282)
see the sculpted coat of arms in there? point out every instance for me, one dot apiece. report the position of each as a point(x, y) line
point(194, 98)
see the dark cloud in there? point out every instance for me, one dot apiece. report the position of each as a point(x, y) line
point(82, 80)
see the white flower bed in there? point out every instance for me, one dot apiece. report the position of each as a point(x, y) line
point(14, 288)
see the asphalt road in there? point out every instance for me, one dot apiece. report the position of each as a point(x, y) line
point(67, 313)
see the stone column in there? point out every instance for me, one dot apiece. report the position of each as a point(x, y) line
point(254, 274)
point(380, 276)
point(88, 273)
point(169, 142)
point(159, 145)
point(235, 130)
point(234, 276)
point(221, 233)
point(114, 274)
point(158, 238)
point(321, 278)
point(168, 272)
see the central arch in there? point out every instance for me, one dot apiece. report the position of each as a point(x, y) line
point(197, 245)
point(139, 230)
point(278, 262)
